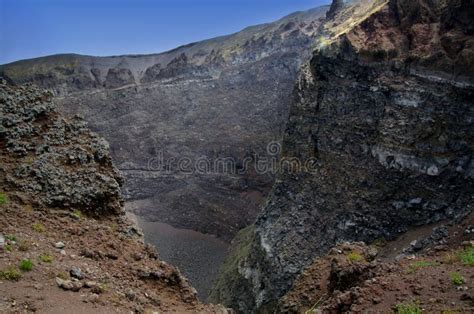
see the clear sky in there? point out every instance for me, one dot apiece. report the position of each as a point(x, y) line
point(33, 28)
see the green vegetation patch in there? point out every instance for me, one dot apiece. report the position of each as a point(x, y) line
point(421, 264)
point(408, 308)
point(10, 237)
point(26, 265)
point(62, 275)
point(355, 257)
point(3, 199)
point(10, 273)
point(46, 258)
point(38, 227)
point(467, 256)
point(456, 278)
point(77, 213)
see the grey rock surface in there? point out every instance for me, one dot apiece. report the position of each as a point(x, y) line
point(77, 273)
point(59, 245)
point(57, 161)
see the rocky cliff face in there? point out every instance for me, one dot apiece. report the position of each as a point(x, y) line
point(384, 113)
point(226, 97)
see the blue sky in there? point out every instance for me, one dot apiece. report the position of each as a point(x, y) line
point(33, 28)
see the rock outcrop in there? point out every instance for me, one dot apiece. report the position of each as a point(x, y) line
point(336, 6)
point(57, 162)
point(356, 278)
point(118, 77)
point(383, 112)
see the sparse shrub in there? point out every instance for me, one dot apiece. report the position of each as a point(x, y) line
point(8, 247)
point(26, 265)
point(46, 258)
point(30, 160)
point(451, 258)
point(467, 256)
point(114, 227)
point(456, 279)
point(62, 275)
point(11, 273)
point(408, 308)
point(102, 287)
point(3, 199)
point(380, 242)
point(355, 257)
point(37, 227)
point(421, 264)
point(10, 237)
point(24, 246)
point(77, 213)
point(116, 299)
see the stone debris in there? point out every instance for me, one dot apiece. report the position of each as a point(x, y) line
point(2, 242)
point(69, 285)
point(76, 272)
point(59, 245)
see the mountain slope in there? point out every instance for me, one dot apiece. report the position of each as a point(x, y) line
point(226, 97)
point(79, 72)
point(383, 113)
